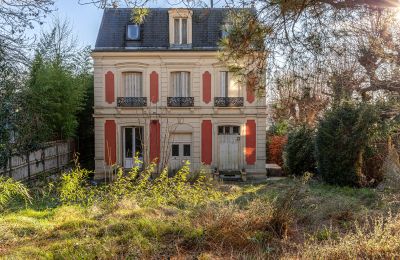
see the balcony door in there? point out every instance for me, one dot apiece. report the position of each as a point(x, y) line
point(133, 145)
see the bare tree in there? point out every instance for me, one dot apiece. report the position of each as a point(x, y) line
point(15, 17)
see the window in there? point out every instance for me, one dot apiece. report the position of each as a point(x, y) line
point(180, 82)
point(133, 84)
point(228, 87)
point(225, 30)
point(186, 150)
point(224, 84)
point(180, 31)
point(133, 32)
point(229, 130)
point(175, 150)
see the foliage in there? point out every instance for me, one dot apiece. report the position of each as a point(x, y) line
point(75, 188)
point(276, 145)
point(139, 15)
point(10, 189)
point(299, 151)
point(342, 140)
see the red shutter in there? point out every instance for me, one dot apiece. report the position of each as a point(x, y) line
point(110, 145)
point(206, 142)
point(154, 140)
point(250, 94)
point(109, 79)
point(154, 87)
point(251, 138)
point(206, 87)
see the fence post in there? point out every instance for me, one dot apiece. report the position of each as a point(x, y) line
point(29, 165)
point(10, 165)
point(43, 160)
point(58, 158)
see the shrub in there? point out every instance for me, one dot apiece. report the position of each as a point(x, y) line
point(9, 189)
point(299, 151)
point(342, 139)
point(276, 145)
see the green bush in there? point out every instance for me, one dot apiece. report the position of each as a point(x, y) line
point(299, 151)
point(342, 139)
point(10, 189)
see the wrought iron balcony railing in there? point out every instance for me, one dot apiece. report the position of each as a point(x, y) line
point(228, 101)
point(180, 101)
point(132, 101)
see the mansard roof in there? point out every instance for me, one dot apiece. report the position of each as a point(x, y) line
point(206, 30)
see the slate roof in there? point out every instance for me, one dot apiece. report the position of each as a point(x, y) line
point(206, 30)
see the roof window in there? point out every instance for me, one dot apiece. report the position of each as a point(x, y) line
point(133, 32)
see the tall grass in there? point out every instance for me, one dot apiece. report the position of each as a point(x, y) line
point(9, 189)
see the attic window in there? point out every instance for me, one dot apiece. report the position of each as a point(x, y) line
point(133, 32)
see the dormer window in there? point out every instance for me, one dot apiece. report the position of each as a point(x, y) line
point(180, 27)
point(133, 32)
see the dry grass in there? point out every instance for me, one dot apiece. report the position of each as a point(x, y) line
point(281, 219)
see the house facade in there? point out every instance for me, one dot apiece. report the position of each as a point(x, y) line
point(162, 94)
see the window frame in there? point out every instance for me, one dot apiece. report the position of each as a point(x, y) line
point(124, 85)
point(172, 82)
point(180, 31)
point(138, 32)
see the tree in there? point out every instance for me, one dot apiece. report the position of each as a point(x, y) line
point(15, 17)
point(58, 81)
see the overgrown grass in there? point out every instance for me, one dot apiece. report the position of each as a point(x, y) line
point(140, 217)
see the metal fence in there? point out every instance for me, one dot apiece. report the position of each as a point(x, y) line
point(53, 156)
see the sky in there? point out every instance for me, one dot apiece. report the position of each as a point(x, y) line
point(84, 19)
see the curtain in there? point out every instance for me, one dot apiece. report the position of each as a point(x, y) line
point(224, 83)
point(181, 84)
point(184, 31)
point(176, 31)
point(133, 84)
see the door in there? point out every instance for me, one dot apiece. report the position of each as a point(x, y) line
point(133, 146)
point(229, 143)
point(181, 150)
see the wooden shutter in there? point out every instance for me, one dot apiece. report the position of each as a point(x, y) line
point(206, 142)
point(154, 87)
point(154, 140)
point(251, 139)
point(110, 145)
point(109, 88)
point(206, 87)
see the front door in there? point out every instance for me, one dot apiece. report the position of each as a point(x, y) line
point(229, 143)
point(133, 146)
point(181, 150)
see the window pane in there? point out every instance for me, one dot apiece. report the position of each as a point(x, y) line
point(186, 150)
point(175, 150)
point(133, 32)
point(138, 142)
point(236, 130)
point(176, 31)
point(186, 84)
point(224, 83)
point(184, 31)
point(133, 84)
point(180, 84)
point(220, 130)
point(128, 143)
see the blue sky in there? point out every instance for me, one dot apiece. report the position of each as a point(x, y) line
point(84, 19)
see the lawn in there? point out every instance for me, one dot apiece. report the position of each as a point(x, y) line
point(277, 219)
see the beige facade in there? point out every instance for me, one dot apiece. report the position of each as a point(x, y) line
point(177, 124)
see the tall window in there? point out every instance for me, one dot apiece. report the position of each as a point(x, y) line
point(133, 84)
point(228, 87)
point(180, 82)
point(180, 30)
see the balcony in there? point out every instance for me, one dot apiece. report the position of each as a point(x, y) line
point(180, 101)
point(228, 101)
point(131, 101)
